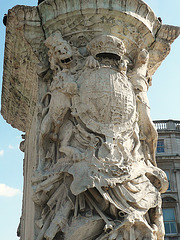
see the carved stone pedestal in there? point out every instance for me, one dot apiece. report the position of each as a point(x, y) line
point(76, 77)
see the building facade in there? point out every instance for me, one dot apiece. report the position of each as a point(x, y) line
point(168, 159)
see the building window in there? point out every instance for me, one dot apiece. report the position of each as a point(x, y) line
point(160, 146)
point(168, 177)
point(169, 221)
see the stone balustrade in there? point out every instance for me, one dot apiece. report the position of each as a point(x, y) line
point(167, 125)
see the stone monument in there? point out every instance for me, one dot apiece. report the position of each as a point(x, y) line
point(76, 76)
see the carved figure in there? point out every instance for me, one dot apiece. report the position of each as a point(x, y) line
point(104, 181)
point(62, 89)
point(139, 79)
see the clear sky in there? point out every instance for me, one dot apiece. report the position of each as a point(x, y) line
point(164, 98)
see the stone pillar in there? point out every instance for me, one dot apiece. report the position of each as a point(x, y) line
point(76, 77)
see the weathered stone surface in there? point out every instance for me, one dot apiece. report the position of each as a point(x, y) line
point(90, 168)
point(97, 145)
point(23, 51)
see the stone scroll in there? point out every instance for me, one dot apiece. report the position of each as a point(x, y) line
point(90, 171)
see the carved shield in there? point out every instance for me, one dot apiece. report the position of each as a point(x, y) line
point(106, 102)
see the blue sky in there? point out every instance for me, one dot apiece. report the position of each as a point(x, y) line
point(164, 98)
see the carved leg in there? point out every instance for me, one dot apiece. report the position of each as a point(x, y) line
point(45, 130)
point(65, 137)
point(46, 126)
point(137, 143)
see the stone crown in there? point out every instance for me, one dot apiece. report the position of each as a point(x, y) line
point(106, 44)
